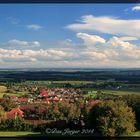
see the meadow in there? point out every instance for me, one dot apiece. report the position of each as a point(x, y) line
point(18, 134)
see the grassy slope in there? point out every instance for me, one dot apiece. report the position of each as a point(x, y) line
point(22, 134)
point(18, 134)
point(137, 133)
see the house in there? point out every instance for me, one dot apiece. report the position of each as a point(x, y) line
point(55, 99)
point(43, 93)
point(23, 100)
point(30, 100)
point(14, 98)
point(45, 101)
point(15, 112)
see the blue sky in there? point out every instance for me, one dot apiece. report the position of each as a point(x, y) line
point(53, 17)
point(51, 29)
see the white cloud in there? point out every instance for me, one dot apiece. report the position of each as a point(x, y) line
point(20, 43)
point(35, 27)
point(90, 39)
point(109, 25)
point(136, 8)
point(128, 38)
point(98, 52)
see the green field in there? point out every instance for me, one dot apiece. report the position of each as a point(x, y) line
point(113, 91)
point(137, 133)
point(3, 89)
point(120, 92)
point(25, 134)
point(18, 94)
point(74, 82)
point(92, 92)
point(19, 134)
point(46, 82)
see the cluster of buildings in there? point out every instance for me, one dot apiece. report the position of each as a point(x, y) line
point(48, 95)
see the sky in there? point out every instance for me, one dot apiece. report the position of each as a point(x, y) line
point(69, 35)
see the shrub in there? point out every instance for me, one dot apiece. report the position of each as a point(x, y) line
point(62, 111)
point(112, 118)
point(14, 124)
point(134, 102)
point(2, 114)
point(7, 104)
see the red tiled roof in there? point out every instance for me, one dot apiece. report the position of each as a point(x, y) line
point(13, 96)
point(23, 99)
point(56, 99)
point(53, 99)
point(15, 112)
point(44, 93)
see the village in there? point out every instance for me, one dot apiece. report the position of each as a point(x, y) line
point(48, 95)
point(33, 106)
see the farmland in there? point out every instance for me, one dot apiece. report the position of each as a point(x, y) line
point(55, 99)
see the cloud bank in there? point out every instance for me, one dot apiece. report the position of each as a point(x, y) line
point(95, 52)
point(108, 25)
point(119, 50)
